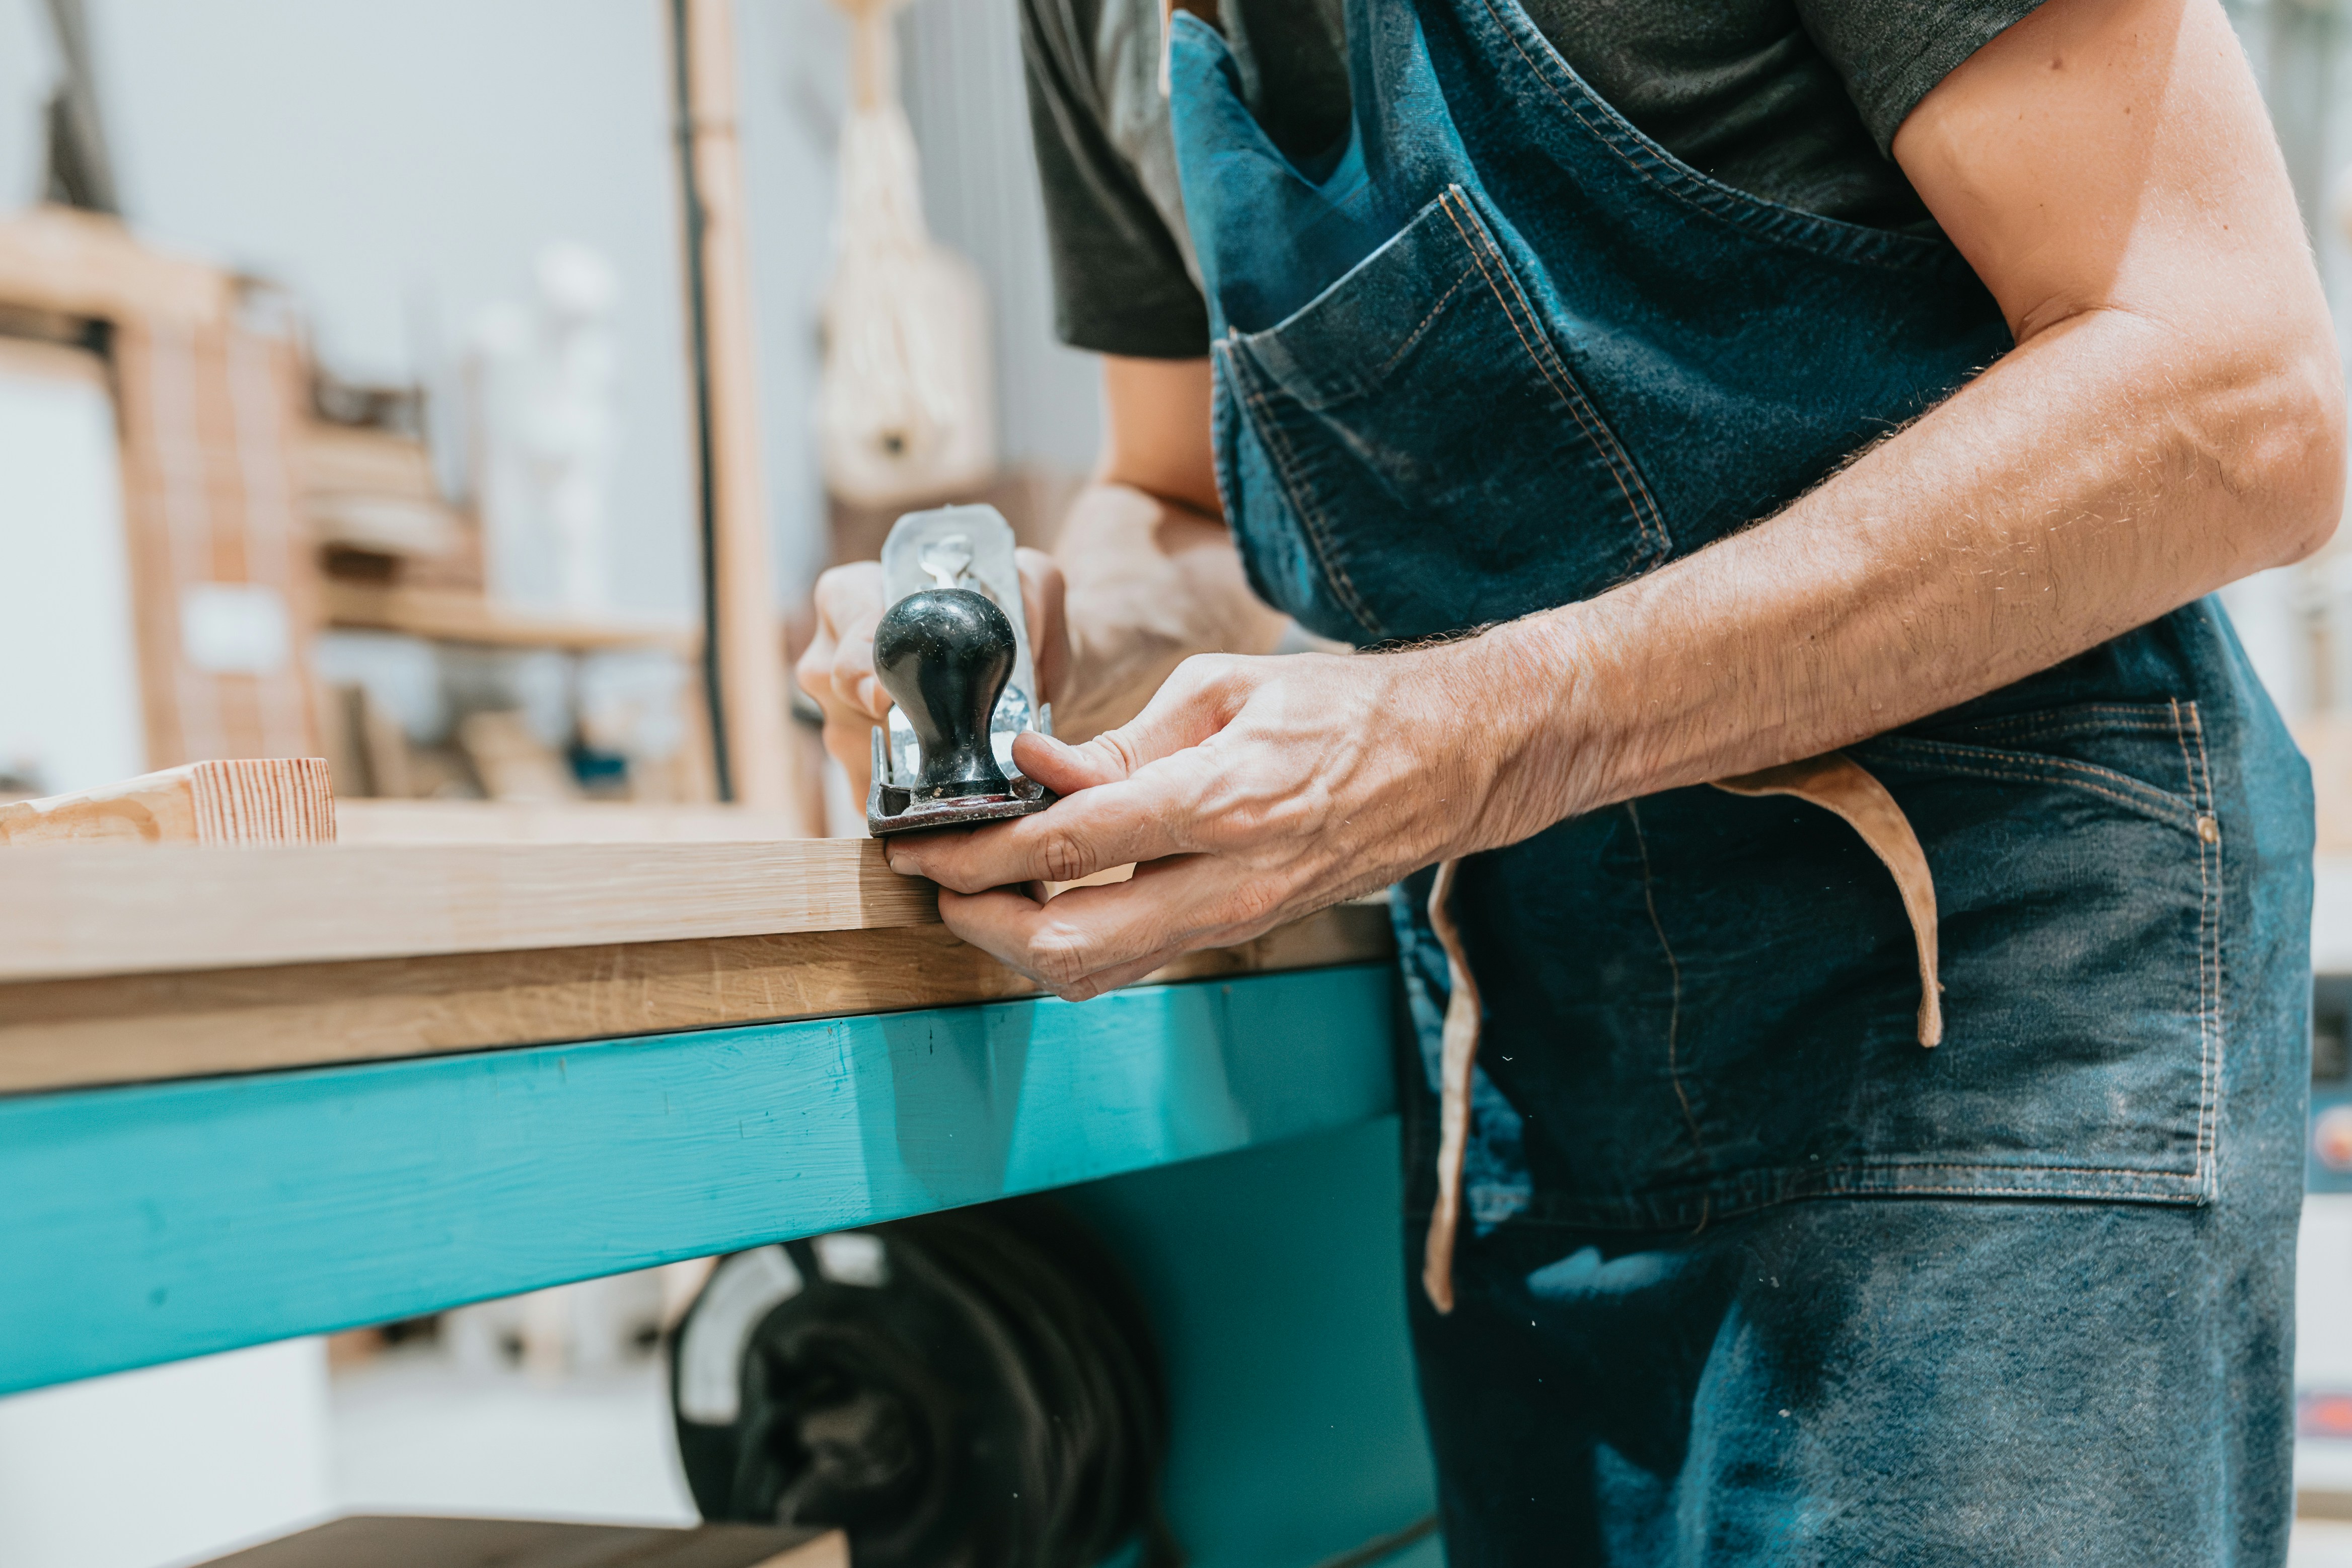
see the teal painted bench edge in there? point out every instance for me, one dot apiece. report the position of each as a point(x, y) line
point(147, 1223)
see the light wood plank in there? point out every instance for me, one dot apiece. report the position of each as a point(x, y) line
point(586, 822)
point(101, 909)
point(262, 801)
point(448, 616)
point(748, 637)
point(60, 1033)
point(85, 264)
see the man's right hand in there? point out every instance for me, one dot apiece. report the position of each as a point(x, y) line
point(838, 670)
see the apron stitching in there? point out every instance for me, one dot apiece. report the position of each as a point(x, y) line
point(2057, 768)
point(1308, 516)
point(1570, 395)
point(1390, 363)
point(1861, 246)
point(1674, 1006)
point(2209, 955)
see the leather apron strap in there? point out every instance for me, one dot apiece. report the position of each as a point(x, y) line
point(1833, 781)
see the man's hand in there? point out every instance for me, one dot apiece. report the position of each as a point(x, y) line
point(837, 669)
point(1250, 791)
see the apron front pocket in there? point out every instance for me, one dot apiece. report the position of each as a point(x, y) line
point(1428, 438)
point(1750, 981)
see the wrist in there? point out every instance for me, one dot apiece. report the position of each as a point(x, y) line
point(1524, 729)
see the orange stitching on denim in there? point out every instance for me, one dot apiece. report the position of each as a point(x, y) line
point(1570, 396)
point(1309, 517)
point(2208, 960)
point(2141, 793)
point(1604, 440)
point(1414, 337)
point(1731, 206)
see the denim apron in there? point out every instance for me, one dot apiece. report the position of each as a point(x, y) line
point(1499, 352)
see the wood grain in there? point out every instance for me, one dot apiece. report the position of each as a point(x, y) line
point(586, 822)
point(103, 909)
point(60, 1033)
point(265, 800)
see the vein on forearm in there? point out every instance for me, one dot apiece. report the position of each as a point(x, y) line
point(2103, 473)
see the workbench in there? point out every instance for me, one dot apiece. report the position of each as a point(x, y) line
point(249, 1095)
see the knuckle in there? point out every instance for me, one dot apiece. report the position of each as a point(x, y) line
point(1065, 857)
point(1062, 957)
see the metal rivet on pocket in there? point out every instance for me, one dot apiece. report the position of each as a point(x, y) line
point(2209, 829)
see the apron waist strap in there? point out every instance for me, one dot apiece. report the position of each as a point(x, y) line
point(1835, 782)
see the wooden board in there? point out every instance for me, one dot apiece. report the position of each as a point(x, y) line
point(586, 822)
point(101, 909)
point(198, 1216)
point(124, 1028)
point(408, 1541)
point(267, 800)
point(448, 616)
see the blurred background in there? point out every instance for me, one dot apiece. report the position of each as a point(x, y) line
point(360, 398)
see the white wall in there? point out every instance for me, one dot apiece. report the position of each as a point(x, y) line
point(401, 165)
point(168, 1465)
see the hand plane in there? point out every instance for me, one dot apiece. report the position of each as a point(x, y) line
point(953, 650)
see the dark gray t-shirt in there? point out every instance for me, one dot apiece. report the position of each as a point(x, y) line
point(1793, 101)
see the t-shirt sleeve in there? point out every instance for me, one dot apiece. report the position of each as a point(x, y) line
point(1120, 286)
point(1891, 53)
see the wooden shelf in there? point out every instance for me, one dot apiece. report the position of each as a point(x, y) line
point(447, 616)
point(81, 264)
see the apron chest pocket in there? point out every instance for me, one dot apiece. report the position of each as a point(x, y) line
point(1432, 443)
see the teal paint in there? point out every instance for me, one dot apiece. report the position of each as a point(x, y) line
point(151, 1222)
point(1275, 1280)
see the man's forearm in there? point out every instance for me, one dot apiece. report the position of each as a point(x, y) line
point(2101, 475)
point(1151, 582)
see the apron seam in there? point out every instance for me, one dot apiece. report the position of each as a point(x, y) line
point(2209, 953)
point(1854, 245)
point(2056, 770)
point(1674, 1006)
point(1317, 531)
point(1570, 395)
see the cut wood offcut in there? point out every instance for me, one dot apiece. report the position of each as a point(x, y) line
point(272, 800)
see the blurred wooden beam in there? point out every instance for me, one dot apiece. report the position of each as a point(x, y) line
point(746, 640)
point(83, 264)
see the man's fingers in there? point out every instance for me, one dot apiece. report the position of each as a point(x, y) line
point(1077, 836)
point(1041, 592)
point(1091, 938)
point(838, 668)
point(1193, 703)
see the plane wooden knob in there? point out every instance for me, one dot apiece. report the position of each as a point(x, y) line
point(944, 655)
